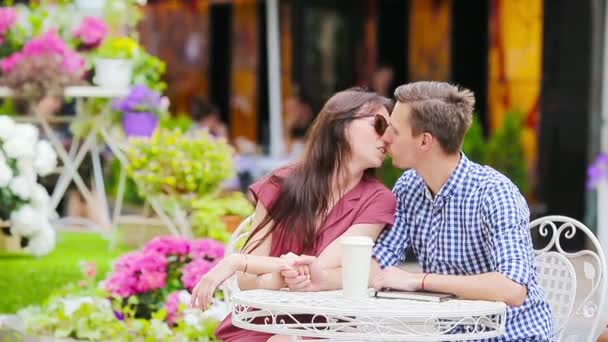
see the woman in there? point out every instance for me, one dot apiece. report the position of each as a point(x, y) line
point(303, 209)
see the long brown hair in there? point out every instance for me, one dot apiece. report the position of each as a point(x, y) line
point(305, 194)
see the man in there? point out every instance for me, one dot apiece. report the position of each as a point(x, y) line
point(467, 223)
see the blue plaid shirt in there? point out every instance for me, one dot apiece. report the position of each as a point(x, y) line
point(477, 223)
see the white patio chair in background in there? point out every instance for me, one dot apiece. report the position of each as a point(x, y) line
point(574, 282)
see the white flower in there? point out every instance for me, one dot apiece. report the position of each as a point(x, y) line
point(25, 166)
point(17, 147)
point(6, 173)
point(184, 297)
point(21, 187)
point(25, 221)
point(43, 242)
point(159, 329)
point(192, 320)
point(7, 127)
point(72, 304)
point(45, 160)
point(27, 132)
point(41, 201)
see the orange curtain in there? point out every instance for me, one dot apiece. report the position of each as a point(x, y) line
point(516, 66)
point(430, 40)
point(244, 69)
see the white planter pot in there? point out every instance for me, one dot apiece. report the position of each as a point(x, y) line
point(91, 7)
point(113, 73)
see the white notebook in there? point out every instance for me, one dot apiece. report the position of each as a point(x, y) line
point(417, 295)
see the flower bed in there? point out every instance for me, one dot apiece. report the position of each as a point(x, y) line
point(145, 296)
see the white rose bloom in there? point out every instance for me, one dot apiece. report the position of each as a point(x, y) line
point(25, 221)
point(7, 127)
point(18, 147)
point(42, 243)
point(21, 187)
point(41, 201)
point(27, 132)
point(25, 166)
point(45, 160)
point(6, 173)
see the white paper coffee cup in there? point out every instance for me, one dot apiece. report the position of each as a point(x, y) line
point(356, 259)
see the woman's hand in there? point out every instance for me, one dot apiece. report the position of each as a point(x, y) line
point(202, 294)
point(298, 277)
point(315, 279)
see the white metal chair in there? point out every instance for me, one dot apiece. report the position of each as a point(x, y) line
point(239, 235)
point(574, 282)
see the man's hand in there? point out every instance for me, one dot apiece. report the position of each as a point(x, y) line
point(397, 279)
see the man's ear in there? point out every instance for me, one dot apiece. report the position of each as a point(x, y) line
point(427, 141)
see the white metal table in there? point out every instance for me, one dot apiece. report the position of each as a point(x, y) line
point(328, 315)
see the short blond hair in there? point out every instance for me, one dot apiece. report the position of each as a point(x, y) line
point(439, 108)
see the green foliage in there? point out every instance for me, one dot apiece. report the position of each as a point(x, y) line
point(180, 122)
point(506, 151)
point(119, 48)
point(503, 151)
point(207, 212)
point(388, 174)
point(171, 163)
point(149, 70)
point(475, 146)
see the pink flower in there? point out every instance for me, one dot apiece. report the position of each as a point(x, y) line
point(138, 272)
point(168, 245)
point(91, 31)
point(172, 307)
point(194, 271)
point(48, 45)
point(8, 19)
point(8, 63)
point(207, 248)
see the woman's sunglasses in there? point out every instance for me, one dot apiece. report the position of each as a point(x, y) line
point(380, 123)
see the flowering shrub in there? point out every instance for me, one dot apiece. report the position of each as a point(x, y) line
point(165, 265)
point(146, 297)
point(598, 171)
point(43, 67)
point(24, 202)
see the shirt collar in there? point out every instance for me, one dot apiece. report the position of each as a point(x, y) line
point(456, 180)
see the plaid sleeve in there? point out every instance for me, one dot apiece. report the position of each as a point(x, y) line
point(393, 242)
point(507, 216)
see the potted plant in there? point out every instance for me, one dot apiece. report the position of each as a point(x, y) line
point(25, 211)
point(141, 111)
point(114, 62)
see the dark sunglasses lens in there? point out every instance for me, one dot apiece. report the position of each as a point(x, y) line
point(380, 125)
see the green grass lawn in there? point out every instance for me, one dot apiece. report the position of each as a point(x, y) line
point(26, 280)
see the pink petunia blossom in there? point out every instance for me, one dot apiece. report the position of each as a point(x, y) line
point(194, 271)
point(138, 272)
point(8, 19)
point(168, 245)
point(207, 248)
point(91, 31)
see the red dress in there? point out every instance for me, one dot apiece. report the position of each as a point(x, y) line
point(368, 202)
